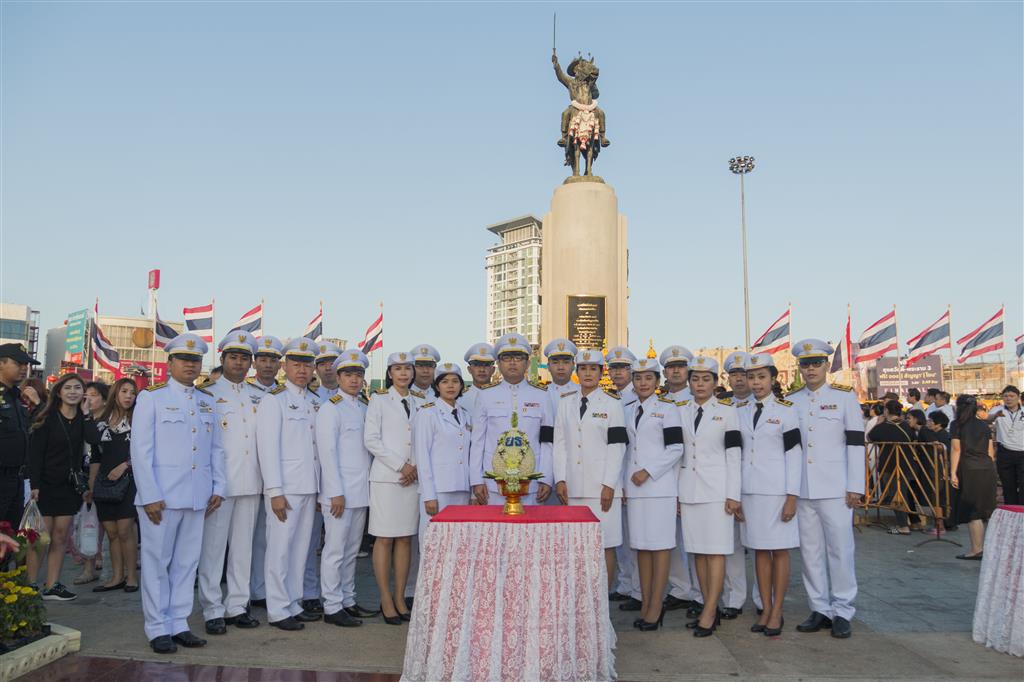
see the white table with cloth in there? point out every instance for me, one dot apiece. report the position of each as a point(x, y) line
point(511, 597)
point(999, 609)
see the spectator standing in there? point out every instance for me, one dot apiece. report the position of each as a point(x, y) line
point(14, 424)
point(935, 431)
point(891, 431)
point(974, 472)
point(914, 398)
point(33, 395)
point(93, 404)
point(1009, 422)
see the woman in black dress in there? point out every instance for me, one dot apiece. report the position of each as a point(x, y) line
point(56, 446)
point(974, 471)
point(109, 438)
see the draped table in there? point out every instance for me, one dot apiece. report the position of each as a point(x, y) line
point(999, 609)
point(511, 597)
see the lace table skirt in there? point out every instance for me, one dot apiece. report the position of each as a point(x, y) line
point(508, 600)
point(999, 610)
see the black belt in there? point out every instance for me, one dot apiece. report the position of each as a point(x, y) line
point(1002, 448)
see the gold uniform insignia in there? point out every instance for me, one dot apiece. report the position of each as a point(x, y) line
point(277, 389)
point(156, 387)
point(426, 405)
point(841, 387)
point(537, 384)
point(613, 393)
point(416, 394)
point(726, 401)
point(784, 403)
point(662, 399)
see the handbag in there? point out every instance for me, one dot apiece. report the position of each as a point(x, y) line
point(76, 477)
point(105, 490)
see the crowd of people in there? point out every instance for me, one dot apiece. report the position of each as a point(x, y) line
point(274, 484)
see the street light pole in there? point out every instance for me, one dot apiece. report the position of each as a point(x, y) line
point(741, 165)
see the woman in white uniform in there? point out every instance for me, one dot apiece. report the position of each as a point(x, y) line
point(709, 485)
point(440, 442)
point(590, 442)
point(771, 484)
point(652, 460)
point(394, 497)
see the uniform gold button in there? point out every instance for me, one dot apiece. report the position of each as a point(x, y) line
point(193, 466)
point(810, 428)
point(193, 450)
point(810, 461)
point(810, 445)
point(192, 412)
point(193, 429)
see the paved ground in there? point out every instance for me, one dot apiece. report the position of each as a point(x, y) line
point(913, 623)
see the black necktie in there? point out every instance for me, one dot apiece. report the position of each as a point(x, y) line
point(696, 422)
point(405, 404)
point(455, 413)
point(639, 413)
point(757, 414)
point(583, 406)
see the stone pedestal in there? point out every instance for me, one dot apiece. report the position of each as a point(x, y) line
point(584, 293)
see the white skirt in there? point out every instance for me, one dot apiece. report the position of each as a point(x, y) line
point(394, 510)
point(764, 527)
point(652, 522)
point(611, 520)
point(707, 529)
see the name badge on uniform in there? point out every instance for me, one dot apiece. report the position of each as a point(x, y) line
point(717, 418)
point(292, 407)
point(773, 421)
point(170, 409)
point(599, 415)
point(531, 404)
point(829, 407)
point(255, 399)
point(659, 415)
point(205, 407)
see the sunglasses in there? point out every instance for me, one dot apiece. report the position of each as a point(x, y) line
point(812, 362)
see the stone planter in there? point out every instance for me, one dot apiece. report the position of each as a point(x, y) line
point(61, 642)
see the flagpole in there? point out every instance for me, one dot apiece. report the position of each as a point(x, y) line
point(952, 366)
point(382, 350)
point(263, 316)
point(152, 348)
point(899, 368)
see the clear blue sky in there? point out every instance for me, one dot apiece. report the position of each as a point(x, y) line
point(355, 153)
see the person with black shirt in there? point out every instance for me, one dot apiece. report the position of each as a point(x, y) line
point(974, 471)
point(935, 431)
point(893, 430)
point(56, 448)
point(14, 421)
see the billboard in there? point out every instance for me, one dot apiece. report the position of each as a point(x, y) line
point(74, 338)
point(140, 370)
point(922, 375)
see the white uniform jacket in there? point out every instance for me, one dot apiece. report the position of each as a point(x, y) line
point(176, 454)
point(589, 450)
point(344, 460)
point(388, 434)
point(832, 431)
point(441, 445)
point(555, 395)
point(234, 406)
point(493, 416)
point(711, 466)
point(286, 441)
point(771, 450)
point(655, 444)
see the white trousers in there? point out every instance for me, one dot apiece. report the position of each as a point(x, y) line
point(342, 538)
point(310, 580)
point(227, 531)
point(682, 580)
point(257, 576)
point(286, 561)
point(827, 553)
point(170, 557)
point(443, 500)
point(734, 590)
point(628, 582)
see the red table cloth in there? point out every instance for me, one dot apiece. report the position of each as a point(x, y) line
point(999, 608)
point(511, 597)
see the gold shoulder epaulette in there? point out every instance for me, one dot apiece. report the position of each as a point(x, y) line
point(613, 393)
point(206, 383)
point(841, 387)
point(742, 404)
point(726, 401)
point(490, 385)
point(567, 394)
point(277, 389)
point(336, 398)
point(156, 387)
point(363, 399)
point(537, 384)
point(683, 402)
point(795, 390)
point(426, 405)
point(380, 391)
point(250, 380)
point(784, 403)
point(416, 394)
point(663, 399)
point(203, 390)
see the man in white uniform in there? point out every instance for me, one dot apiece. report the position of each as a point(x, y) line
point(480, 360)
point(560, 354)
point(627, 586)
point(734, 592)
point(1009, 421)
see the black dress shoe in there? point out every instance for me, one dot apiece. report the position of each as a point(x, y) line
point(631, 605)
point(131, 588)
point(814, 622)
point(617, 596)
point(841, 628)
point(672, 603)
point(357, 611)
point(729, 613)
point(163, 645)
point(216, 626)
point(262, 603)
point(288, 623)
point(242, 620)
point(393, 620)
point(695, 610)
point(342, 619)
point(188, 640)
point(312, 606)
point(757, 627)
point(307, 617)
point(109, 588)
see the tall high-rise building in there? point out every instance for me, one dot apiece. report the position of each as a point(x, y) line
point(513, 279)
point(132, 337)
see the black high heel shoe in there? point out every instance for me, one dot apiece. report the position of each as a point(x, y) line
point(391, 620)
point(699, 631)
point(637, 621)
point(774, 632)
point(757, 627)
point(644, 626)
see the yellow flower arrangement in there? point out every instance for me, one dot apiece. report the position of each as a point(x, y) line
point(10, 599)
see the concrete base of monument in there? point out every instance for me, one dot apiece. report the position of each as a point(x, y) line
point(583, 178)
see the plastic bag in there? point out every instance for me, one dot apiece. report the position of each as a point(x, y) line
point(32, 519)
point(87, 530)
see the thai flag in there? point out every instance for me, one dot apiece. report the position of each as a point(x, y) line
point(933, 339)
point(163, 331)
point(1020, 346)
point(843, 357)
point(251, 322)
point(199, 320)
point(878, 339)
point(374, 337)
point(102, 350)
point(776, 338)
point(985, 339)
point(315, 328)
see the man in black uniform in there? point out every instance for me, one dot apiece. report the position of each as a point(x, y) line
point(14, 362)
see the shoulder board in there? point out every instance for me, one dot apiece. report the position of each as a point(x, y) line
point(363, 399)
point(203, 390)
point(277, 389)
point(662, 399)
point(426, 405)
point(206, 383)
point(725, 401)
point(567, 394)
point(742, 404)
point(613, 393)
point(250, 380)
point(313, 391)
point(610, 391)
point(841, 387)
point(683, 402)
point(336, 398)
point(796, 390)
point(490, 385)
point(784, 403)
point(537, 384)
point(380, 391)
point(416, 394)
point(156, 387)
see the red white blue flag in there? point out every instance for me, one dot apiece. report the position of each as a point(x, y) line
point(251, 322)
point(1020, 346)
point(934, 338)
point(315, 328)
point(878, 339)
point(985, 339)
point(199, 321)
point(374, 337)
point(776, 337)
point(163, 332)
point(102, 350)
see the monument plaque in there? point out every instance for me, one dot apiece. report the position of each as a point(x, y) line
point(586, 320)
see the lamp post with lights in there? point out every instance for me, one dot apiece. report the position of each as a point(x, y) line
point(741, 165)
